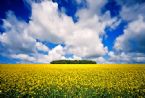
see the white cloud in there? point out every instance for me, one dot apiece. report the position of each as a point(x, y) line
point(131, 13)
point(101, 60)
point(95, 6)
point(129, 47)
point(16, 41)
point(85, 45)
point(56, 53)
point(16, 38)
point(133, 39)
point(61, 29)
point(131, 9)
point(82, 39)
point(41, 47)
point(48, 24)
point(24, 57)
point(123, 57)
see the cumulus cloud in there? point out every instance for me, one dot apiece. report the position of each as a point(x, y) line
point(94, 7)
point(47, 24)
point(23, 57)
point(16, 39)
point(41, 47)
point(19, 44)
point(87, 44)
point(130, 2)
point(82, 39)
point(129, 47)
point(131, 13)
point(53, 54)
point(133, 39)
point(61, 29)
point(131, 9)
point(124, 57)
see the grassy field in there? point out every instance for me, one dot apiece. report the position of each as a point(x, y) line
point(72, 81)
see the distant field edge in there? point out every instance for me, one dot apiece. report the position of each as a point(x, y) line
point(73, 64)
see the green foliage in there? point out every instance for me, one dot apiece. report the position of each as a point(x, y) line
point(73, 62)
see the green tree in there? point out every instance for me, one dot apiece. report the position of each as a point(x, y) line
point(73, 62)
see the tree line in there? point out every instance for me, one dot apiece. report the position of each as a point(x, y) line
point(73, 62)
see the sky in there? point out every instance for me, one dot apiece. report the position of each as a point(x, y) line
point(40, 31)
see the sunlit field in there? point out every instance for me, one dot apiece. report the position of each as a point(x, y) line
point(72, 81)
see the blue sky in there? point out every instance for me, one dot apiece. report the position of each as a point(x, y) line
point(39, 31)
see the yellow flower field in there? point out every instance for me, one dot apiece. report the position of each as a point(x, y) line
point(72, 81)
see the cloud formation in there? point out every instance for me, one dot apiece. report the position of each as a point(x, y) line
point(133, 39)
point(130, 46)
point(47, 24)
point(81, 40)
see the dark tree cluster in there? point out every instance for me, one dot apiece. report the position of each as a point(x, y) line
point(73, 62)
